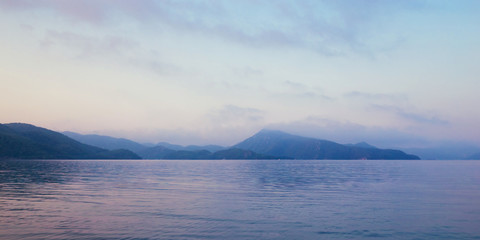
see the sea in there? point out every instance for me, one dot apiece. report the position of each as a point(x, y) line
point(239, 199)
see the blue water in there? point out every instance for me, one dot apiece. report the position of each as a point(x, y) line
point(284, 199)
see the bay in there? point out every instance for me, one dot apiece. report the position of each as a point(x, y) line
point(239, 199)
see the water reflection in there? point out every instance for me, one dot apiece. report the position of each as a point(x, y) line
point(318, 175)
point(284, 199)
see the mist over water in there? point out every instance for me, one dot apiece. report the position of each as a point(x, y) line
point(284, 199)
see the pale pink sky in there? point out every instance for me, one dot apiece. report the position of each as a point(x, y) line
point(200, 72)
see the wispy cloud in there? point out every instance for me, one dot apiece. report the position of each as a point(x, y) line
point(84, 46)
point(411, 116)
point(296, 89)
point(357, 95)
point(327, 27)
point(235, 116)
point(396, 104)
point(89, 11)
point(121, 49)
point(247, 72)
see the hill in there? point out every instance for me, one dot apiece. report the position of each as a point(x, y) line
point(25, 141)
point(210, 148)
point(236, 153)
point(112, 143)
point(160, 152)
point(277, 143)
point(106, 142)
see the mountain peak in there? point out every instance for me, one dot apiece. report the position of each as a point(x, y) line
point(278, 143)
point(361, 145)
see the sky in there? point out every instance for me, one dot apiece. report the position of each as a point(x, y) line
point(392, 73)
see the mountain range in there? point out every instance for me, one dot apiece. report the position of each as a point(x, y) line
point(278, 143)
point(445, 151)
point(24, 141)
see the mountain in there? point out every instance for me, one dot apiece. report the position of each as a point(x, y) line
point(445, 151)
point(170, 146)
point(361, 145)
point(165, 150)
point(25, 141)
point(475, 156)
point(112, 143)
point(211, 148)
point(277, 143)
point(237, 153)
point(156, 152)
point(160, 152)
point(106, 142)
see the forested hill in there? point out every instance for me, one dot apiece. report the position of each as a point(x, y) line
point(25, 141)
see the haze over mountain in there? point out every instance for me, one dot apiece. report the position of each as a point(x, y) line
point(28, 142)
point(25, 141)
point(278, 143)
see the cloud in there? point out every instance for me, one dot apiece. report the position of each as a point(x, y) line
point(155, 65)
point(85, 46)
point(395, 104)
point(356, 95)
point(122, 49)
point(411, 116)
point(298, 90)
point(247, 72)
point(91, 11)
point(231, 116)
point(327, 27)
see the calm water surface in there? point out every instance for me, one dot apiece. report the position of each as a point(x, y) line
point(285, 199)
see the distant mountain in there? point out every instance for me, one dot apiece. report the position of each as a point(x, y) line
point(361, 145)
point(117, 154)
point(170, 146)
point(160, 152)
point(106, 142)
point(25, 141)
point(156, 152)
point(475, 156)
point(277, 143)
point(445, 151)
point(211, 148)
point(236, 153)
